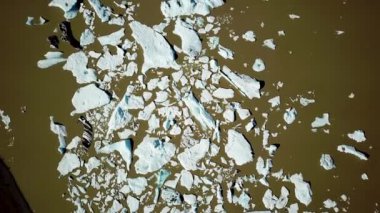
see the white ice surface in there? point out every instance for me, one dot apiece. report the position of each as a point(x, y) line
point(198, 111)
point(329, 204)
point(351, 150)
point(68, 163)
point(77, 64)
point(186, 179)
point(113, 39)
point(191, 43)
point(5, 119)
point(258, 65)
point(302, 189)
point(133, 203)
point(87, 37)
point(190, 157)
point(225, 52)
point(358, 136)
point(290, 115)
point(249, 36)
point(101, 11)
point(327, 162)
point(275, 101)
point(223, 93)
point(69, 7)
point(321, 121)
point(89, 97)
point(51, 58)
point(124, 148)
point(269, 43)
point(238, 148)
point(173, 8)
point(137, 185)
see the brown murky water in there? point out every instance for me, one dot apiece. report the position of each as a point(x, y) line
point(332, 66)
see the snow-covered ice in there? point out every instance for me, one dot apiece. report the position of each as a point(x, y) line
point(113, 39)
point(249, 36)
point(87, 37)
point(290, 115)
point(275, 101)
point(69, 7)
point(225, 52)
point(238, 148)
point(51, 58)
point(198, 111)
point(77, 64)
point(269, 43)
point(223, 93)
point(321, 121)
point(89, 97)
point(101, 11)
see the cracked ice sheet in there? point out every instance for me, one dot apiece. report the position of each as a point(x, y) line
point(199, 112)
point(124, 147)
point(89, 97)
point(173, 8)
point(238, 148)
point(157, 51)
point(302, 189)
point(191, 44)
point(191, 156)
point(60, 131)
point(248, 86)
point(77, 64)
point(153, 154)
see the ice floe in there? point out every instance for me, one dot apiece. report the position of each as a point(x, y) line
point(327, 162)
point(5, 119)
point(173, 8)
point(275, 101)
point(321, 121)
point(225, 52)
point(269, 43)
point(89, 97)
point(124, 148)
point(238, 148)
point(60, 131)
point(351, 150)
point(87, 37)
point(358, 136)
point(112, 39)
point(223, 93)
point(101, 11)
point(69, 7)
point(191, 43)
point(290, 115)
point(190, 157)
point(77, 64)
point(68, 163)
point(258, 65)
point(198, 111)
point(302, 189)
point(249, 36)
point(51, 58)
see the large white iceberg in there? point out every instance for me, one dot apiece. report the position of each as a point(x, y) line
point(172, 8)
point(153, 153)
point(199, 112)
point(238, 148)
point(157, 51)
point(124, 147)
point(77, 64)
point(191, 156)
point(89, 97)
point(191, 44)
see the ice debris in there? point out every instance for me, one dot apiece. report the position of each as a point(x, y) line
point(89, 97)
point(327, 162)
point(238, 148)
point(270, 201)
point(258, 65)
point(124, 147)
point(170, 196)
point(191, 43)
point(68, 163)
point(275, 101)
point(190, 157)
point(302, 189)
point(358, 136)
point(51, 58)
point(60, 131)
point(87, 37)
point(173, 8)
point(329, 204)
point(321, 121)
point(198, 111)
point(351, 150)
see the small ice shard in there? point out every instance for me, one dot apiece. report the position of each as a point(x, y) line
point(258, 65)
point(190, 157)
point(351, 95)
point(283, 199)
point(69, 7)
point(124, 148)
point(157, 51)
point(358, 136)
point(293, 208)
point(302, 189)
point(269, 43)
point(223, 93)
point(249, 36)
point(198, 111)
point(351, 150)
point(306, 101)
point(29, 21)
point(60, 131)
point(339, 32)
point(68, 163)
point(113, 39)
point(327, 162)
point(321, 121)
point(275, 101)
point(92, 163)
point(329, 204)
point(191, 44)
point(290, 115)
point(238, 148)
point(51, 58)
point(153, 153)
point(225, 52)
point(170, 196)
point(87, 37)
point(77, 64)
point(133, 204)
point(248, 86)
point(101, 11)
point(294, 16)
point(173, 8)
point(89, 97)
point(229, 115)
point(213, 42)
point(364, 176)
point(281, 33)
point(137, 185)
point(186, 179)
point(5, 119)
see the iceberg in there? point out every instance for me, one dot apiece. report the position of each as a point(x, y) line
point(60, 131)
point(77, 64)
point(51, 58)
point(199, 112)
point(69, 7)
point(248, 86)
point(157, 51)
point(173, 8)
point(68, 163)
point(290, 115)
point(327, 162)
point(124, 148)
point(357, 135)
point(238, 148)
point(153, 154)
point(101, 11)
point(113, 39)
point(302, 189)
point(191, 156)
point(351, 150)
point(258, 65)
point(191, 44)
point(89, 97)
point(321, 121)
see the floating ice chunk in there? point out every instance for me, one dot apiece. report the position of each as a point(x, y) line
point(51, 58)
point(191, 156)
point(137, 185)
point(198, 111)
point(351, 150)
point(170, 196)
point(238, 148)
point(213, 42)
point(190, 199)
point(243, 113)
point(157, 51)
point(302, 189)
point(117, 21)
point(68, 163)
point(5, 119)
point(275, 101)
point(74, 143)
point(77, 64)
point(153, 154)
point(321, 121)
point(186, 179)
point(351, 95)
point(124, 148)
point(110, 62)
point(306, 101)
point(92, 163)
point(249, 36)
point(290, 115)
point(223, 93)
point(329, 204)
point(250, 125)
point(131, 69)
point(258, 65)
point(294, 16)
point(269, 43)
point(269, 200)
point(293, 208)
point(225, 52)
point(101, 11)
point(29, 21)
point(244, 200)
point(69, 7)
point(281, 33)
point(113, 39)
point(116, 207)
point(229, 115)
point(133, 203)
point(173, 8)
point(191, 44)
point(327, 162)
point(358, 136)
point(263, 168)
point(364, 176)
point(60, 131)
point(89, 97)
point(283, 199)
point(248, 86)
point(339, 32)
point(87, 37)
